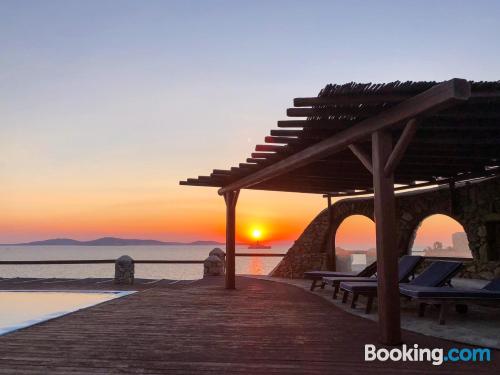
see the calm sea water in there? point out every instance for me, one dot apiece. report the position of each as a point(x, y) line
point(256, 265)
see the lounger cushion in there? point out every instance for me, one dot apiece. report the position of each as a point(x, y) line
point(493, 285)
point(407, 265)
point(437, 274)
point(369, 287)
point(434, 275)
point(336, 280)
point(318, 275)
point(423, 292)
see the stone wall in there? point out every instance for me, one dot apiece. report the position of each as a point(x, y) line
point(473, 204)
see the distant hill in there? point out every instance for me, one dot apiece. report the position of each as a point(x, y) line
point(110, 241)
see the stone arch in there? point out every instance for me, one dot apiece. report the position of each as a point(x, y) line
point(335, 226)
point(342, 258)
point(342, 210)
point(411, 212)
point(417, 228)
point(475, 205)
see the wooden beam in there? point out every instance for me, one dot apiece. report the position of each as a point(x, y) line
point(196, 183)
point(486, 94)
point(484, 111)
point(281, 140)
point(213, 178)
point(341, 189)
point(400, 148)
point(244, 169)
point(221, 171)
point(362, 156)
point(335, 124)
point(247, 165)
point(387, 252)
point(437, 97)
point(293, 189)
point(286, 133)
point(231, 198)
point(263, 155)
point(327, 176)
point(335, 170)
point(268, 148)
point(352, 98)
point(459, 140)
point(409, 160)
point(364, 111)
point(257, 161)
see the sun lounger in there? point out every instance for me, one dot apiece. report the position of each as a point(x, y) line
point(316, 276)
point(406, 269)
point(439, 273)
point(445, 296)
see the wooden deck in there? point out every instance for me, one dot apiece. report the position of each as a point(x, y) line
point(200, 328)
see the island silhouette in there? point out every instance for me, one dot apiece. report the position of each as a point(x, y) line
point(110, 241)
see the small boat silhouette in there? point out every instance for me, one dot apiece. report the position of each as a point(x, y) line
point(258, 245)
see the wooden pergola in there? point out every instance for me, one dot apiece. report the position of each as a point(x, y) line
point(372, 139)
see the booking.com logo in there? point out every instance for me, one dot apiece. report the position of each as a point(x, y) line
point(436, 356)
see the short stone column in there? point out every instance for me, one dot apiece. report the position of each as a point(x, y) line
point(213, 266)
point(217, 251)
point(124, 270)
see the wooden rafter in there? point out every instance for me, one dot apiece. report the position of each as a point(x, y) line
point(363, 157)
point(400, 148)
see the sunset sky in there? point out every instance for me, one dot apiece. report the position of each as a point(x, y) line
point(106, 105)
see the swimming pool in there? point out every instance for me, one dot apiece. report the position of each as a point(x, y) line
point(24, 308)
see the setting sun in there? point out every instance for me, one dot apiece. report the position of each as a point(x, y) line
point(256, 233)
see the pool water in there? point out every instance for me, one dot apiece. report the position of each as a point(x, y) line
point(20, 309)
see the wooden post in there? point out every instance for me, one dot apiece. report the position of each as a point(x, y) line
point(331, 242)
point(330, 209)
point(453, 197)
point(231, 197)
point(387, 252)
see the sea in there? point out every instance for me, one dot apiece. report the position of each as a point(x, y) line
point(253, 265)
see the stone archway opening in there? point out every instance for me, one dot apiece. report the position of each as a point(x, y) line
point(441, 236)
point(355, 245)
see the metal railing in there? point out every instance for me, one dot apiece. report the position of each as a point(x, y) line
point(96, 261)
point(136, 261)
point(260, 255)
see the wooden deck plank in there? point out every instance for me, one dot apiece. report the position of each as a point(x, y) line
point(202, 328)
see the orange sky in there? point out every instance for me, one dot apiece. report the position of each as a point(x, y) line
point(161, 212)
point(167, 211)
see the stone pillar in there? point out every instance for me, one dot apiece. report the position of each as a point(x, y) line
point(124, 270)
point(221, 254)
point(213, 266)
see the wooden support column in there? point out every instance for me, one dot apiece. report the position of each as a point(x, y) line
point(453, 198)
point(330, 212)
point(331, 241)
point(386, 231)
point(231, 198)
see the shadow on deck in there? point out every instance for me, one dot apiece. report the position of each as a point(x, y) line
point(199, 327)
